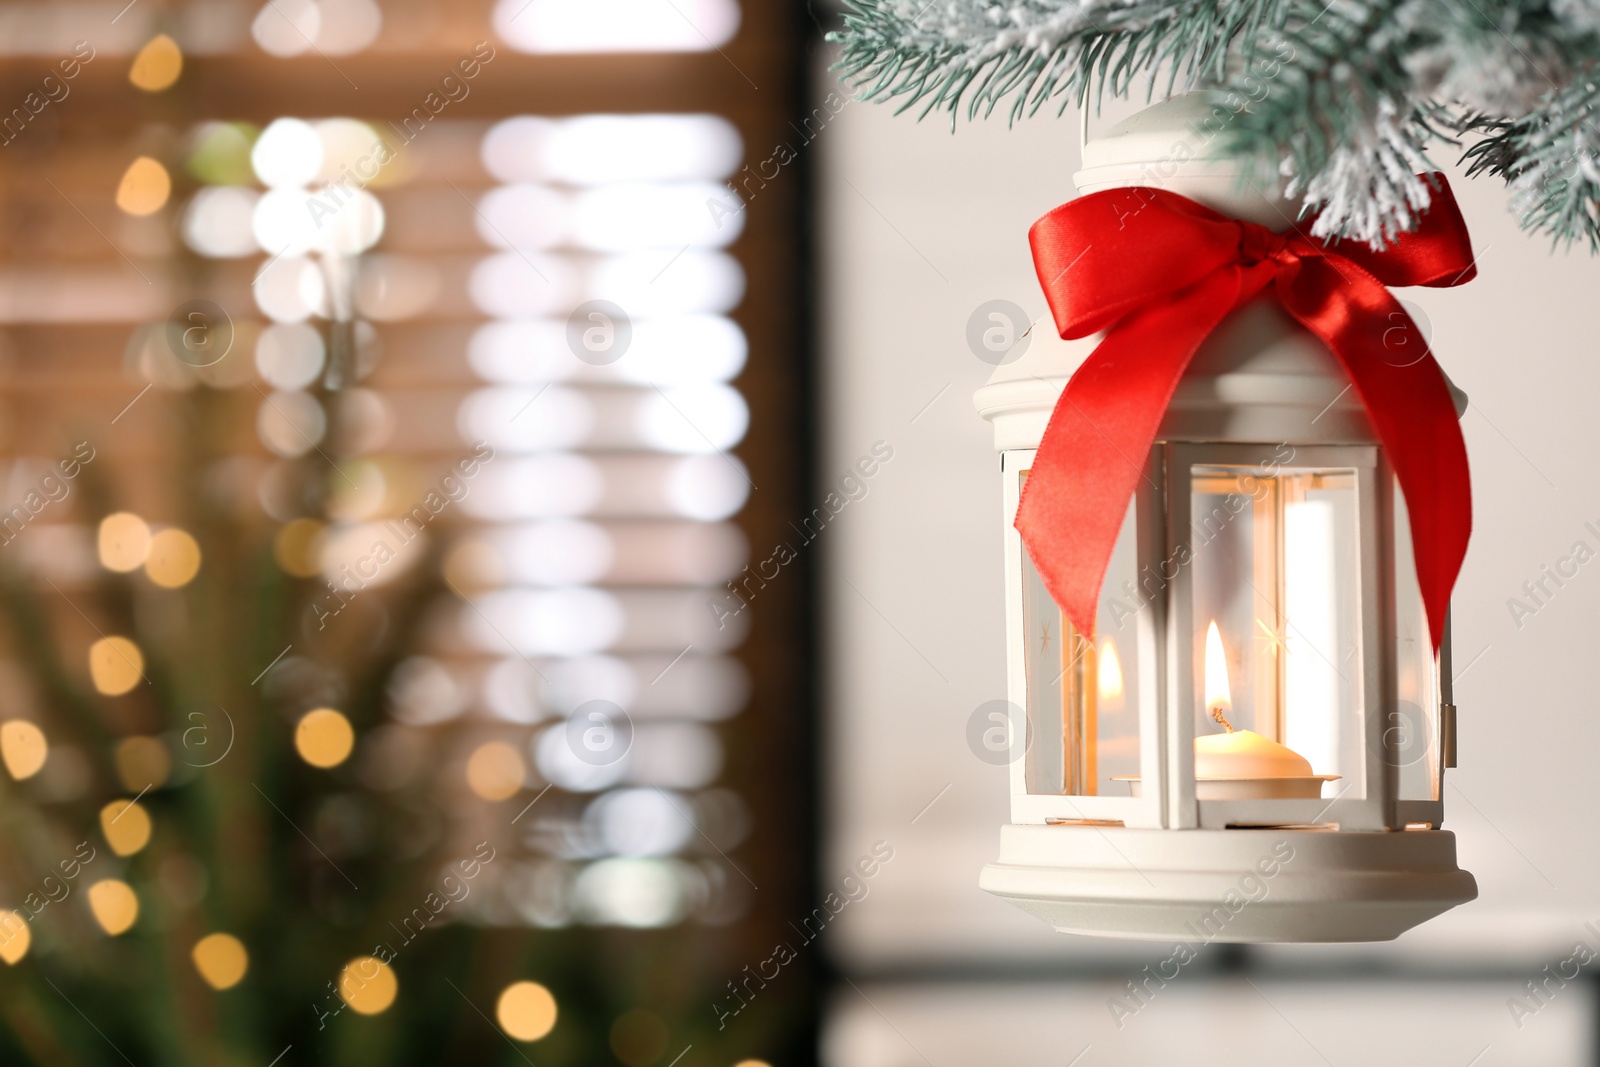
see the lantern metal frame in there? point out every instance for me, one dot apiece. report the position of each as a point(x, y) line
point(1364, 867)
point(1375, 569)
point(1167, 690)
point(1151, 866)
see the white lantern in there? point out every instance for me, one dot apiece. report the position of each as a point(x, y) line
point(1252, 748)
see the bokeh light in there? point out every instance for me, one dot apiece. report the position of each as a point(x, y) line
point(391, 287)
point(676, 755)
point(157, 66)
point(641, 893)
point(15, 937)
point(115, 665)
point(558, 763)
point(126, 826)
point(220, 153)
point(290, 355)
point(174, 558)
point(221, 960)
point(144, 188)
point(545, 26)
point(368, 985)
point(615, 218)
point(288, 154)
point(555, 622)
point(351, 226)
point(692, 419)
point(526, 1010)
point(114, 904)
point(290, 289)
point(324, 738)
point(604, 149)
point(287, 27)
point(640, 822)
point(350, 149)
point(348, 26)
point(283, 224)
point(706, 488)
point(699, 282)
point(422, 692)
point(23, 748)
point(124, 542)
point(496, 771)
point(219, 222)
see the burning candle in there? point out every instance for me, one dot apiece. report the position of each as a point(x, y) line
point(1110, 676)
point(1240, 764)
point(1242, 757)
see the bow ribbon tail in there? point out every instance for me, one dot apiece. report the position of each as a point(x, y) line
point(1411, 411)
point(1094, 450)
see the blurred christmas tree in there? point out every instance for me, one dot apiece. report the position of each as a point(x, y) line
point(217, 843)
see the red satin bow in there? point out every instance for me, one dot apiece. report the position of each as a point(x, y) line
point(1158, 272)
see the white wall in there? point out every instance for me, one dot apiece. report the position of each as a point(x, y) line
point(922, 226)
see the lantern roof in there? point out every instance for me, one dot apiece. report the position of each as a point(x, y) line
point(1176, 145)
point(1260, 376)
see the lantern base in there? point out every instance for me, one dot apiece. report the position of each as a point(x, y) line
point(1254, 886)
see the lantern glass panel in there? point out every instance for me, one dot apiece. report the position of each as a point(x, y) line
point(1412, 727)
point(1082, 696)
point(1276, 586)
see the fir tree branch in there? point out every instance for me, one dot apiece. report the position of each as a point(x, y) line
point(1357, 89)
point(1550, 160)
point(1335, 118)
point(980, 52)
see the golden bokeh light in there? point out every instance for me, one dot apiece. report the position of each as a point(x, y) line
point(126, 826)
point(157, 65)
point(15, 937)
point(174, 558)
point(142, 763)
point(144, 188)
point(115, 906)
point(324, 738)
point(526, 1011)
point(368, 985)
point(221, 960)
point(495, 771)
point(638, 1037)
point(23, 748)
point(297, 547)
point(115, 665)
point(124, 542)
point(752, 1063)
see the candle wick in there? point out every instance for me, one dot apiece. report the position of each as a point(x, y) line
point(1216, 713)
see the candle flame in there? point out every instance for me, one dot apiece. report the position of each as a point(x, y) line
point(1110, 672)
point(1219, 698)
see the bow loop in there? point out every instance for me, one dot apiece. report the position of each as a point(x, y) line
point(1158, 272)
point(1094, 256)
point(1438, 253)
